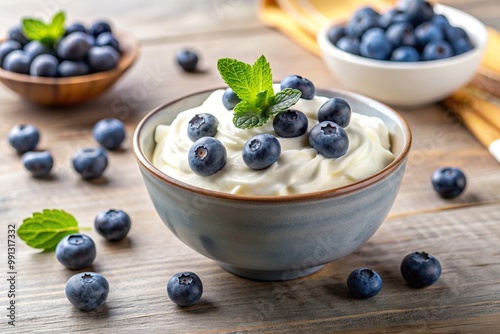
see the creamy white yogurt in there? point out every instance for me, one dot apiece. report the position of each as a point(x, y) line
point(299, 169)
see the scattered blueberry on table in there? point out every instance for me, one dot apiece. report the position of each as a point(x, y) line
point(109, 133)
point(187, 60)
point(112, 224)
point(409, 32)
point(38, 163)
point(185, 288)
point(76, 251)
point(448, 182)
point(420, 269)
point(364, 283)
point(90, 163)
point(24, 137)
point(87, 291)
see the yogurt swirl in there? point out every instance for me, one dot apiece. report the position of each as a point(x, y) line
point(299, 169)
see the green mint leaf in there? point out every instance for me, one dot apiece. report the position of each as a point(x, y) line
point(37, 30)
point(45, 229)
point(283, 100)
point(261, 99)
point(262, 78)
point(34, 29)
point(56, 27)
point(247, 116)
point(238, 76)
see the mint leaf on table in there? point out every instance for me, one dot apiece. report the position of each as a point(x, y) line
point(253, 84)
point(45, 229)
point(46, 33)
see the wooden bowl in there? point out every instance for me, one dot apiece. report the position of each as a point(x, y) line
point(72, 90)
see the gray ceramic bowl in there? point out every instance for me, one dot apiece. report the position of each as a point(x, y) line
point(273, 238)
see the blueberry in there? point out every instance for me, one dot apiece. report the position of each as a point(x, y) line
point(112, 224)
point(335, 33)
point(261, 151)
point(7, 47)
point(329, 139)
point(462, 45)
point(76, 251)
point(109, 132)
point(448, 182)
point(348, 44)
point(361, 21)
point(401, 34)
point(405, 54)
point(16, 34)
point(374, 44)
point(187, 60)
point(87, 291)
point(420, 269)
point(107, 38)
point(74, 27)
point(417, 11)
point(38, 163)
point(68, 68)
point(202, 125)
point(437, 50)
point(35, 48)
point(290, 123)
point(74, 46)
point(336, 110)
point(90, 163)
point(207, 156)
point(427, 33)
point(297, 82)
point(24, 137)
point(44, 66)
point(17, 61)
point(99, 27)
point(392, 16)
point(230, 99)
point(103, 58)
point(455, 33)
point(185, 289)
point(364, 283)
point(441, 21)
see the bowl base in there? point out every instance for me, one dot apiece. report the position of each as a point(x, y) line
point(270, 275)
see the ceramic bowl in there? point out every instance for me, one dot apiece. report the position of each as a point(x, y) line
point(281, 237)
point(408, 84)
point(72, 90)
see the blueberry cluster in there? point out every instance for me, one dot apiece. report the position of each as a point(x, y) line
point(409, 32)
point(90, 162)
point(207, 155)
point(80, 51)
point(418, 269)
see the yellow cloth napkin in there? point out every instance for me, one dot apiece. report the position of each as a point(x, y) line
point(301, 19)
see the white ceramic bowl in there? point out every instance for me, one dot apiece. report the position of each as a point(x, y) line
point(273, 237)
point(408, 84)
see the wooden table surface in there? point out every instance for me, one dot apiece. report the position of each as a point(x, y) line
point(464, 233)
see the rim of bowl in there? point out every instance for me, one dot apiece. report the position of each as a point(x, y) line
point(481, 35)
point(398, 160)
point(126, 60)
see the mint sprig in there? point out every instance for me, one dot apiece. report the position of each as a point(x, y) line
point(254, 86)
point(45, 229)
point(46, 33)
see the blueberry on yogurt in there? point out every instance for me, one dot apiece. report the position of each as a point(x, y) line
point(261, 151)
point(202, 125)
point(207, 156)
point(230, 99)
point(290, 123)
point(329, 139)
point(297, 82)
point(335, 110)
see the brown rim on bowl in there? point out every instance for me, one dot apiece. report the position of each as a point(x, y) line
point(399, 159)
point(130, 52)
